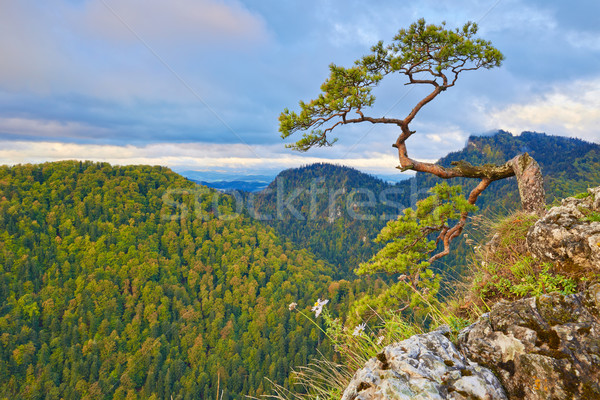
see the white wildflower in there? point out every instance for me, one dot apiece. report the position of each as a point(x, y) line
point(318, 307)
point(359, 329)
point(292, 306)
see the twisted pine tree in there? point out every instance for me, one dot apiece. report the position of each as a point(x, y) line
point(429, 55)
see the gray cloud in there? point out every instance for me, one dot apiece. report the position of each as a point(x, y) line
point(72, 73)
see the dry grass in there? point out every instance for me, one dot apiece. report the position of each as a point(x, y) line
point(503, 269)
point(325, 379)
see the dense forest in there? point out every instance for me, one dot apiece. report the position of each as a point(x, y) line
point(134, 283)
point(110, 291)
point(334, 211)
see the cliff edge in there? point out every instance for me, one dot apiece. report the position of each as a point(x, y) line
point(545, 347)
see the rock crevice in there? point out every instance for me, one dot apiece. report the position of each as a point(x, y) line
point(545, 348)
point(426, 366)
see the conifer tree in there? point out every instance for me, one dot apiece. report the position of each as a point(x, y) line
point(427, 55)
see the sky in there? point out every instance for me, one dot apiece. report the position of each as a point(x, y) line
point(199, 84)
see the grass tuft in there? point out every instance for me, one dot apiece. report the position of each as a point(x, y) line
point(503, 269)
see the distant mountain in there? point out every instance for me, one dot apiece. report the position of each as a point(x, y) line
point(229, 181)
point(232, 181)
point(243, 186)
point(345, 219)
point(569, 166)
point(334, 211)
point(214, 176)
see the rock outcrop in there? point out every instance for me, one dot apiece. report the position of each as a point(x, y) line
point(545, 348)
point(424, 367)
point(570, 233)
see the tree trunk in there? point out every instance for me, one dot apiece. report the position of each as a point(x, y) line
point(523, 167)
point(530, 182)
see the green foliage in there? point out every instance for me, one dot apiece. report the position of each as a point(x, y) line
point(425, 53)
point(582, 195)
point(521, 279)
point(346, 241)
point(355, 343)
point(408, 238)
point(433, 47)
point(544, 282)
point(504, 269)
point(112, 286)
point(101, 297)
point(407, 251)
point(329, 211)
point(574, 171)
point(345, 90)
point(589, 215)
point(326, 378)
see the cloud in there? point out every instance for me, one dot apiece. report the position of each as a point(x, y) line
point(37, 128)
point(584, 40)
point(189, 21)
point(569, 109)
point(30, 49)
point(72, 72)
point(236, 157)
point(86, 49)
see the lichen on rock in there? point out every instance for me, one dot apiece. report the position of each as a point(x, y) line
point(426, 367)
point(544, 348)
point(567, 234)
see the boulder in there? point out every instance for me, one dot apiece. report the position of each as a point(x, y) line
point(541, 348)
point(570, 233)
point(424, 367)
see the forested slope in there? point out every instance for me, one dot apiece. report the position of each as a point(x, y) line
point(346, 219)
point(568, 165)
point(335, 211)
point(108, 291)
point(133, 282)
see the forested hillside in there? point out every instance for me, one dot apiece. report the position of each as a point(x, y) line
point(341, 230)
point(334, 211)
point(133, 282)
point(568, 165)
point(109, 289)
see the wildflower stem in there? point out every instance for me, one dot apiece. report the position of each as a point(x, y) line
point(315, 323)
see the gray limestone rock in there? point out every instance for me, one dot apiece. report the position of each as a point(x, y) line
point(545, 348)
point(568, 233)
point(424, 367)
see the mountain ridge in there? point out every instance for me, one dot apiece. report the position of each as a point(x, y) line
point(133, 281)
point(569, 166)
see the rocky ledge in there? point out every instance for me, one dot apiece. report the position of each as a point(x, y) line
point(535, 348)
point(424, 366)
point(541, 348)
point(570, 233)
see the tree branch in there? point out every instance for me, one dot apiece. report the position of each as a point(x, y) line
point(449, 235)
